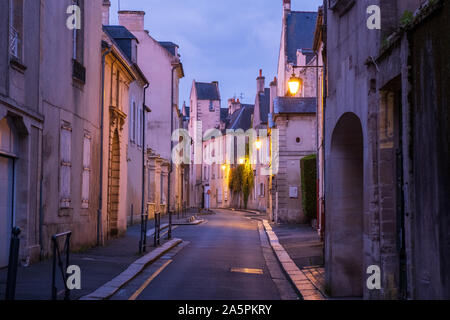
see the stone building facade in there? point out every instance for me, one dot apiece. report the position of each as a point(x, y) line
point(292, 119)
point(386, 150)
point(49, 93)
point(204, 120)
point(164, 71)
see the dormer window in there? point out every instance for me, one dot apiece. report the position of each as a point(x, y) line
point(134, 48)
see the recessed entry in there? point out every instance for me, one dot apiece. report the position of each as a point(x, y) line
point(247, 270)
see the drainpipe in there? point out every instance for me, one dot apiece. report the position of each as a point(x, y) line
point(100, 195)
point(143, 151)
point(325, 93)
point(169, 235)
point(317, 144)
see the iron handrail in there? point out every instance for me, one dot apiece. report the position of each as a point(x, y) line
point(63, 269)
point(13, 264)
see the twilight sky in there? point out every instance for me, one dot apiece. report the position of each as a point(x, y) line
point(226, 41)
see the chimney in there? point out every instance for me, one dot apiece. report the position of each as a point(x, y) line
point(260, 82)
point(287, 5)
point(132, 20)
point(273, 93)
point(105, 12)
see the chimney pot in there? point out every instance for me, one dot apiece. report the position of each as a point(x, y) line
point(105, 12)
point(132, 20)
point(260, 82)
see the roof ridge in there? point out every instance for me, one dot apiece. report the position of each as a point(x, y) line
point(293, 11)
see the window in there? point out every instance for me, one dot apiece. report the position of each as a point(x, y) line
point(261, 190)
point(139, 127)
point(65, 150)
point(16, 29)
point(162, 189)
point(134, 49)
point(86, 171)
point(211, 106)
point(219, 195)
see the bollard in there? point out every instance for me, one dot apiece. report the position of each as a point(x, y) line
point(13, 264)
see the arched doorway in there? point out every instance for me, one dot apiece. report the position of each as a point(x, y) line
point(114, 186)
point(345, 209)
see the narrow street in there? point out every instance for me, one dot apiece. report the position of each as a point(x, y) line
point(201, 267)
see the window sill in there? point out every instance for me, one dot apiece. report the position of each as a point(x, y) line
point(17, 65)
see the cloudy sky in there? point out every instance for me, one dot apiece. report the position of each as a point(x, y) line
point(220, 40)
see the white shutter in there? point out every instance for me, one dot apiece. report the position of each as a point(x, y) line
point(133, 123)
point(86, 172)
point(65, 165)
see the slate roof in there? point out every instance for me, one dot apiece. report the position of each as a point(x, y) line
point(207, 91)
point(300, 28)
point(295, 105)
point(119, 32)
point(264, 105)
point(242, 119)
point(169, 46)
point(223, 114)
point(122, 37)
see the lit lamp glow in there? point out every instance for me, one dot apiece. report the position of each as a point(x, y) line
point(294, 85)
point(241, 161)
point(258, 144)
point(224, 167)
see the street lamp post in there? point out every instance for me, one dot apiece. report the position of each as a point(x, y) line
point(295, 84)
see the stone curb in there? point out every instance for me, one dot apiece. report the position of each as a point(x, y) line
point(301, 283)
point(193, 223)
point(111, 287)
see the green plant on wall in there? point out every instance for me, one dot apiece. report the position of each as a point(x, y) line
point(308, 168)
point(407, 18)
point(242, 181)
point(247, 182)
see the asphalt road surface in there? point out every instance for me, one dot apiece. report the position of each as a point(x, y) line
point(221, 259)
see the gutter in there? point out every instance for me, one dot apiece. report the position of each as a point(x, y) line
point(171, 147)
point(144, 109)
point(100, 195)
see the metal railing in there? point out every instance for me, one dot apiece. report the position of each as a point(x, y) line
point(14, 41)
point(157, 235)
point(143, 240)
point(57, 258)
point(13, 264)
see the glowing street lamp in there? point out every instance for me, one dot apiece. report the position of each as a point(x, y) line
point(241, 161)
point(294, 84)
point(224, 167)
point(258, 144)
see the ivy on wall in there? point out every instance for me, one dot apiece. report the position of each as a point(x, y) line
point(241, 181)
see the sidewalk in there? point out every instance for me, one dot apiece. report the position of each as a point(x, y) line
point(98, 266)
point(304, 247)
